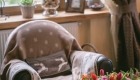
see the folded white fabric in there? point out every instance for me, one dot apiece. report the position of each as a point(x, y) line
point(84, 62)
point(19, 66)
point(89, 63)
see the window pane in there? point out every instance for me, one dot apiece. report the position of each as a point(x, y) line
point(16, 2)
point(11, 2)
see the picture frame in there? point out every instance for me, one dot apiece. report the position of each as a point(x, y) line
point(75, 6)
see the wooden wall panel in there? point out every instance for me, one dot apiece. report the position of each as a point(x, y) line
point(138, 5)
point(100, 37)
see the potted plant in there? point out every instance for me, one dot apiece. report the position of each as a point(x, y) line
point(27, 8)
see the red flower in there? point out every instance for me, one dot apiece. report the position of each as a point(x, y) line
point(94, 76)
point(101, 72)
point(119, 76)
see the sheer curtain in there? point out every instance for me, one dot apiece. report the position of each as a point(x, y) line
point(125, 28)
point(113, 9)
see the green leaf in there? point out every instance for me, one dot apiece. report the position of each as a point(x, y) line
point(131, 73)
point(133, 78)
point(13, 1)
point(123, 79)
point(27, 2)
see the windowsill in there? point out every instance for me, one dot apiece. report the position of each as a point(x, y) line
point(62, 17)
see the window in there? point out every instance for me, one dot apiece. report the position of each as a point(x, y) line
point(12, 7)
point(16, 2)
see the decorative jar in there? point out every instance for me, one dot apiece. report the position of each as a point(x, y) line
point(95, 4)
point(50, 7)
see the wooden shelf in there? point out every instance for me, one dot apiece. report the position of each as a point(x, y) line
point(62, 17)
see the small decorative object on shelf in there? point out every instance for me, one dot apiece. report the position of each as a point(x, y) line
point(95, 4)
point(77, 6)
point(2, 15)
point(27, 8)
point(50, 7)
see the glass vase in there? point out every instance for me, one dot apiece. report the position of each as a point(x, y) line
point(50, 7)
point(95, 4)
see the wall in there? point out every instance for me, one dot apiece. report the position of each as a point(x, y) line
point(138, 5)
point(97, 32)
point(100, 37)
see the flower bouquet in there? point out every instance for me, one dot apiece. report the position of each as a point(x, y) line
point(129, 75)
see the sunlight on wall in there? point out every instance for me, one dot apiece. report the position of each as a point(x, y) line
point(138, 5)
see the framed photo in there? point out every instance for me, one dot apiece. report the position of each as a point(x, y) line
point(75, 6)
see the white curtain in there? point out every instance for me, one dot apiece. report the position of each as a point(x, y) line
point(113, 9)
